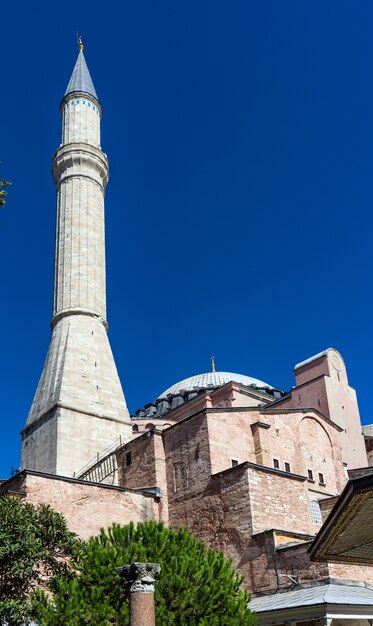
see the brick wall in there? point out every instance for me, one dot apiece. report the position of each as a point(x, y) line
point(147, 467)
point(231, 437)
point(136, 463)
point(326, 506)
point(278, 500)
point(86, 506)
point(295, 561)
point(187, 450)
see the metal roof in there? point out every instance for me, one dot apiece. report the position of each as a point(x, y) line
point(81, 80)
point(347, 534)
point(211, 380)
point(322, 594)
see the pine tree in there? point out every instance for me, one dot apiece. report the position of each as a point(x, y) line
point(197, 585)
point(35, 544)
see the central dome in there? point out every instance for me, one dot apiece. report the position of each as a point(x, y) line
point(210, 380)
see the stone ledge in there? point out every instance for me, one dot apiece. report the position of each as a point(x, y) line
point(262, 468)
point(49, 413)
point(147, 491)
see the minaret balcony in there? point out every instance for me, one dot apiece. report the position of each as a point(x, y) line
point(80, 159)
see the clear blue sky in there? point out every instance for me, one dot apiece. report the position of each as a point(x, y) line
point(239, 210)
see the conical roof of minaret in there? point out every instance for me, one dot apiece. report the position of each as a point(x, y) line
point(81, 80)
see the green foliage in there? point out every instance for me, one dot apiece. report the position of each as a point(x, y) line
point(3, 193)
point(197, 586)
point(34, 545)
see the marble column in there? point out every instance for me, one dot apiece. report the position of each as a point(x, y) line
point(140, 582)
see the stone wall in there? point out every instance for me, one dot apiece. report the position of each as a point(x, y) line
point(228, 508)
point(136, 463)
point(86, 506)
point(231, 437)
point(141, 463)
point(322, 383)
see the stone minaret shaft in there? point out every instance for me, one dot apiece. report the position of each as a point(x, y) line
point(79, 407)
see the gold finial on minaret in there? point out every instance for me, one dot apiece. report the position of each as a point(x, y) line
point(80, 43)
point(213, 364)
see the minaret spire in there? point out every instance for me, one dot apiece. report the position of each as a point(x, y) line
point(79, 407)
point(81, 81)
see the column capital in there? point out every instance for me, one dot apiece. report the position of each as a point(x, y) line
point(140, 576)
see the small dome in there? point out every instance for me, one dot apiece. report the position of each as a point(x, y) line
point(210, 380)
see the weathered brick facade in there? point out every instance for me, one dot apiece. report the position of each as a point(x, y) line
point(255, 480)
point(86, 506)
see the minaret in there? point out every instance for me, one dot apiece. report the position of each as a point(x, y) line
point(79, 407)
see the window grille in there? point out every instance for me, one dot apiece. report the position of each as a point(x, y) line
point(315, 512)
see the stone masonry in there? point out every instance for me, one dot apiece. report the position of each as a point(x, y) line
point(86, 506)
point(249, 469)
point(79, 407)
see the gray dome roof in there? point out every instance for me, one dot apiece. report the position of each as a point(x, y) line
point(211, 380)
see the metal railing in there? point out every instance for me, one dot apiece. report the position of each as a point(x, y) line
point(98, 459)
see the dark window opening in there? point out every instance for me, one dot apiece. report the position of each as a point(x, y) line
point(287, 467)
point(276, 464)
point(321, 479)
point(234, 462)
point(128, 458)
point(310, 474)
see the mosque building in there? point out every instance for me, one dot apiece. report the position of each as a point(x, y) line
point(250, 469)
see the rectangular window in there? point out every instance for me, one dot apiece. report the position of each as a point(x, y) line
point(310, 474)
point(128, 458)
point(234, 462)
point(321, 479)
point(276, 464)
point(287, 467)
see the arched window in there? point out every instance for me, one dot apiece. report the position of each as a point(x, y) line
point(149, 426)
point(315, 512)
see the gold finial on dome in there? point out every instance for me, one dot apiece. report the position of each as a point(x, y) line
point(213, 364)
point(80, 43)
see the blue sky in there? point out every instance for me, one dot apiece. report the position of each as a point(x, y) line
point(239, 209)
